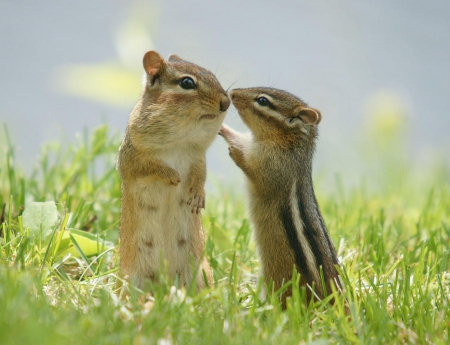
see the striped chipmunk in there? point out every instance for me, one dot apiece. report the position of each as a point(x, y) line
point(162, 166)
point(277, 160)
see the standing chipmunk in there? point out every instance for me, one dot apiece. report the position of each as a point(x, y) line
point(162, 166)
point(277, 161)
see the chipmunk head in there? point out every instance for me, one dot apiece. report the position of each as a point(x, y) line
point(276, 114)
point(187, 98)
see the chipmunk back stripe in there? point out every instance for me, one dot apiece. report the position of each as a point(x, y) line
point(291, 234)
point(313, 268)
point(318, 238)
point(305, 256)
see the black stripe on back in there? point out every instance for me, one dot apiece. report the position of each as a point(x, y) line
point(291, 234)
point(313, 236)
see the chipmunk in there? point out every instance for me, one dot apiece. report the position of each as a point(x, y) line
point(277, 161)
point(162, 166)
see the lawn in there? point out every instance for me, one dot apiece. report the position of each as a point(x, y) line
point(59, 258)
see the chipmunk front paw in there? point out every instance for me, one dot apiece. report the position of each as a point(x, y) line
point(236, 155)
point(197, 199)
point(225, 131)
point(171, 177)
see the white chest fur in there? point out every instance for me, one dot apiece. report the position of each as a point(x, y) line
point(163, 227)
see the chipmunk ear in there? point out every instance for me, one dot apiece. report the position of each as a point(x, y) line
point(153, 64)
point(174, 58)
point(310, 115)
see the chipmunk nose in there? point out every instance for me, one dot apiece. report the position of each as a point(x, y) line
point(224, 103)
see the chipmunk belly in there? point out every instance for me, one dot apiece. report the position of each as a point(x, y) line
point(165, 224)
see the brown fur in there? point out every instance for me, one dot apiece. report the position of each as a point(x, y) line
point(162, 165)
point(277, 160)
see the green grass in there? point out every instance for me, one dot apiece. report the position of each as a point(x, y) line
point(392, 235)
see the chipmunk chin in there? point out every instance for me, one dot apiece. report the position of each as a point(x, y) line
point(208, 117)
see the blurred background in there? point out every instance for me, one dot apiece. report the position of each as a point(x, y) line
point(378, 71)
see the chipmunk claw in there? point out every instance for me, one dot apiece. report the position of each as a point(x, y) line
point(197, 200)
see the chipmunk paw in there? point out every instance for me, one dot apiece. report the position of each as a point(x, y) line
point(197, 200)
point(224, 130)
point(236, 153)
point(172, 178)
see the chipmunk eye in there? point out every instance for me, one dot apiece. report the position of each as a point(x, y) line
point(187, 83)
point(263, 101)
